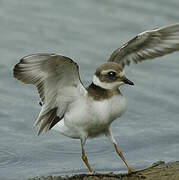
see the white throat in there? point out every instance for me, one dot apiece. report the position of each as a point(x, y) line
point(105, 85)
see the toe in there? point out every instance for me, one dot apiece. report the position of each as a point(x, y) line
point(130, 170)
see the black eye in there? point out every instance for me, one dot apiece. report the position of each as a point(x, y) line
point(112, 75)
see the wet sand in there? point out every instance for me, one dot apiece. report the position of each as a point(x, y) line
point(159, 170)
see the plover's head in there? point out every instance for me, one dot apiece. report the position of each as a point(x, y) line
point(110, 76)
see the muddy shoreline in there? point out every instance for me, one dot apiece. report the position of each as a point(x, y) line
point(157, 171)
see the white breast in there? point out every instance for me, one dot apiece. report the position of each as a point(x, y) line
point(118, 106)
point(102, 113)
point(109, 109)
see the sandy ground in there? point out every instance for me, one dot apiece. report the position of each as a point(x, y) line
point(158, 171)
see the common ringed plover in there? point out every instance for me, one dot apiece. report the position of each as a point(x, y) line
point(80, 112)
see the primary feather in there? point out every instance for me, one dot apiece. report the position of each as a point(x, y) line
point(148, 45)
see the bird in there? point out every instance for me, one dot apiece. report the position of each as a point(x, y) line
point(80, 112)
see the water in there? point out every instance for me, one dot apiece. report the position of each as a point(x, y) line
point(88, 32)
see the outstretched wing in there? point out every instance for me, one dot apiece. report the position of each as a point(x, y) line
point(57, 80)
point(148, 45)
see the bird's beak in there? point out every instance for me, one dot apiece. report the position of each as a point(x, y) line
point(127, 81)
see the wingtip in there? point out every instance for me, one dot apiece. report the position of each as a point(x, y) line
point(16, 70)
point(39, 132)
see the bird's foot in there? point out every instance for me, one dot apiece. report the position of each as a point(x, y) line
point(130, 170)
point(92, 173)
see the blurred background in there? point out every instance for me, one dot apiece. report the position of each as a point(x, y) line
point(88, 32)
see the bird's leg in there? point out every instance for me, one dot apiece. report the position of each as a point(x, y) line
point(84, 157)
point(130, 170)
point(111, 138)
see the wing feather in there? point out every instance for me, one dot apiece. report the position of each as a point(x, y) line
point(148, 45)
point(57, 80)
